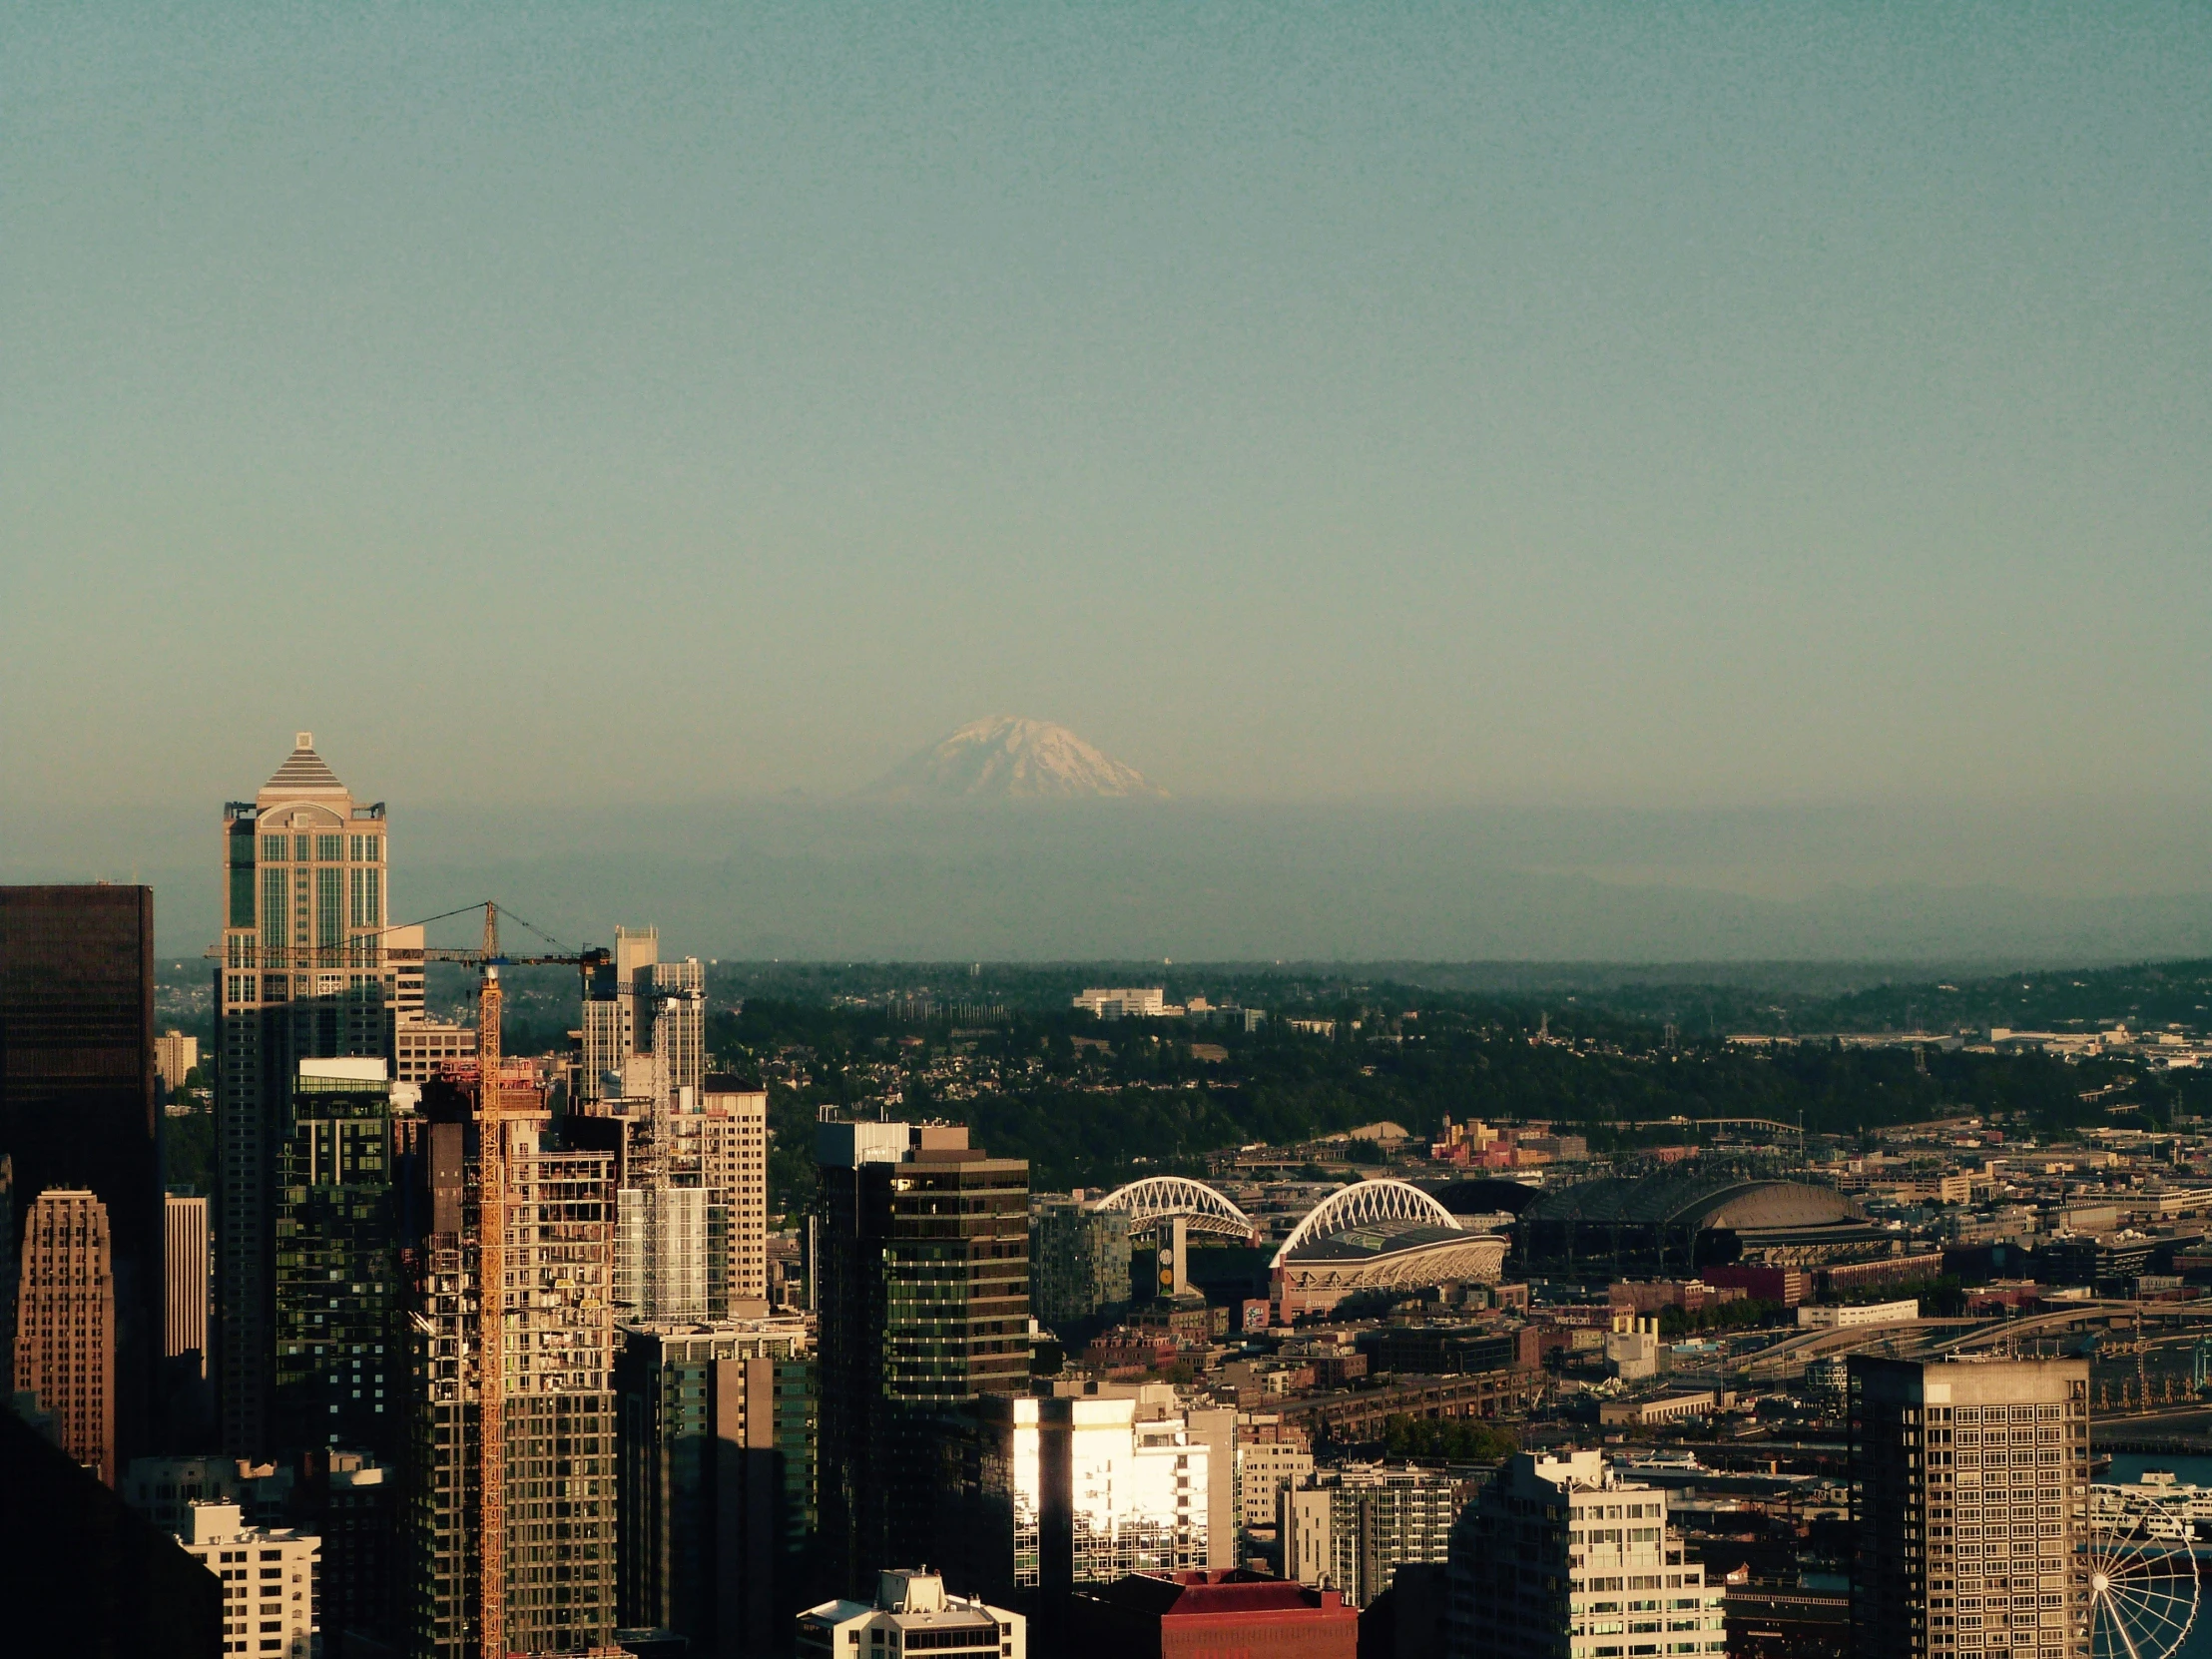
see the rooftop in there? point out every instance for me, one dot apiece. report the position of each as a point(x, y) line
point(1234, 1592)
point(304, 774)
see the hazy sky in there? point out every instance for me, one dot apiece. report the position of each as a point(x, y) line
point(1638, 405)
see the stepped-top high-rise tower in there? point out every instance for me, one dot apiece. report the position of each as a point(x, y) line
point(303, 975)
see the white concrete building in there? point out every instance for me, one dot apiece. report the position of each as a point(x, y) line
point(1813, 1317)
point(1351, 1528)
point(269, 1582)
point(184, 1266)
point(1559, 1556)
point(912, 1613)
point(1264, 1470)
point(174, 1058)
point(1124, 1001)
point(1634, 1355)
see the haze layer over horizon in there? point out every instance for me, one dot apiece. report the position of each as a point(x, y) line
point(1682, 410)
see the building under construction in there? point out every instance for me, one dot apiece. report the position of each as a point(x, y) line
point(512, 1496)
point(545, 1509)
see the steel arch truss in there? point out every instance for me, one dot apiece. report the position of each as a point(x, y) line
point(1157, 1197)
point(1363, 1204)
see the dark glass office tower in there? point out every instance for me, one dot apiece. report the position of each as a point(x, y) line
point(337, 1370)
point(305, 975)
point(924, 1303)
point(717, 1470)
point(76, 1097)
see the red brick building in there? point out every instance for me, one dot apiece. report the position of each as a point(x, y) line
point(1213, 1615)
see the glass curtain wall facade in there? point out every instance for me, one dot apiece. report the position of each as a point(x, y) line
point(78, 1102)
point(338, 1375)
point(305, 975)
point(1080, 1261)
point(924, 1263)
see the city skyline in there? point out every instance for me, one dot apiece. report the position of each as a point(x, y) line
point(1197, 879)
point(1335, 830)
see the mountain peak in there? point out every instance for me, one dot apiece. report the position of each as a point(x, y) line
point(1003, 757)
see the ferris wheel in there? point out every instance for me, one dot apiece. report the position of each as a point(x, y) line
point(2143, 1587)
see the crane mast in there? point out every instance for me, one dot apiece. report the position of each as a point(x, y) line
point(492, 1117)
point(491, 1300)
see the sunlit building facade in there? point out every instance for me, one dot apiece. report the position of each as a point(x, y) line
point(304, 974)
point(65, 1324)
point(1558, 1558)
point(1083, 1491)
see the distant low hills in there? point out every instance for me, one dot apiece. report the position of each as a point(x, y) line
point(1003, 757)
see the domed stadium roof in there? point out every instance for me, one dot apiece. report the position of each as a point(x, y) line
point(1483, 1197)
point(1694, 1200)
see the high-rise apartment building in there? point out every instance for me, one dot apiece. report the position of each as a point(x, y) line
point(269, 1582)
point(175, 1057)
point(65, 1324)
point(637, 1006)
point(717, 1470)
point(732, 1130)
point(1079, 1260)
point(1557, 1558)
point(1969, 1494)
point(547, 1502)
point(78, 1106)
point(305, 975)
point(352, 1502)
point(185, 1313)
point(663, 1256)
point(1352, 1527)
point(1272, 1457)
point(922, 1253)
point(337, 1365)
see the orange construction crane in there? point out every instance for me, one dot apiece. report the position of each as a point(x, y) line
point(491, 1273)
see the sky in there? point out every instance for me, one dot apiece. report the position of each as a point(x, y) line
point(1665, 408)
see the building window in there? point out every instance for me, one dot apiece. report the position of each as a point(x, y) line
point(328, 912)
point(273, 893)
point(330, 848)
point(368, 898)
point(275, 848)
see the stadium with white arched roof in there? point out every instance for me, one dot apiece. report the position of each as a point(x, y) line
point(1204, 1210)
point(1372, 1235)
point(1378, 1235)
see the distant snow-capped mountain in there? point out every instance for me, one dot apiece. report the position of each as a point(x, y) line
point(1005, 758)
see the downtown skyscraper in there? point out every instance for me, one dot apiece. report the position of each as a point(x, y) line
point(1969, 1490)
point(924, 1267)
point(77, 1103)
point(337, 1351)
point(303, 975)
point(65, 1324)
